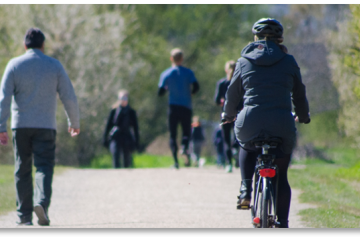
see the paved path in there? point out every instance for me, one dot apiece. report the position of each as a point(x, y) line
point(148, 198)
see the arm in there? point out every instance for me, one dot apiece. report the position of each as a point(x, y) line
point(69, 100)
point(194, 82)
point(136, 128)
point(108, 127)
point(217, 97)
point(196, 87)
point(234, 94)
point(161, 91)
point(301, 105)
point(162, 85)
point(6, 92)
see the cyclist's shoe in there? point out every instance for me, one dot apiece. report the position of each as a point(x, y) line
point(284, 223)
point(41, 214)
point(228, 168)
point(245, 194)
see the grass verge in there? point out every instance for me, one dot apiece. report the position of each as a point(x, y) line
point(141, 161)
point(333, 186)
point(7, 186)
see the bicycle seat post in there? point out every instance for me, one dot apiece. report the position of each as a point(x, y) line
point(265, 148)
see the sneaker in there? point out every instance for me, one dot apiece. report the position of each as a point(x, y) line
point(41, 214)
point(24, 223)
point(228, 169)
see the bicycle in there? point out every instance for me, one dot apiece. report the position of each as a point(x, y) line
point(263, 210)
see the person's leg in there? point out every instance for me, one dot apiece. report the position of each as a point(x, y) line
point(284, 190)
point(226, 131)
point(247, 162)
point(186, 127)
point(197, 150)
point(44, 160)
point(23, 174)
point(185, 120)
point(173, 122)
point(115, 152)
point(126, 156)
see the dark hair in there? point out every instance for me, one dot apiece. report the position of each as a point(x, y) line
point(34, 38)
point(177, 54)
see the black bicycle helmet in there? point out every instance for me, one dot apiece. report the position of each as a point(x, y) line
point(268, 27)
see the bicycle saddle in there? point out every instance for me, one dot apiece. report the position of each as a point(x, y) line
point(271, 141)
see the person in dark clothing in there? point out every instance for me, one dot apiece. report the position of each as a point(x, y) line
point(197, 138)
point(220, 94)
point(265, 82)
point(219, 143)
point(178, 81)
point(118, 136)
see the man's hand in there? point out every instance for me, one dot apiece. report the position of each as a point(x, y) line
point(74, 131)
point(4, 138)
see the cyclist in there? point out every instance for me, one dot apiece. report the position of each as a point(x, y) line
point(178, 81)
point(220, 91)
point(265, 81)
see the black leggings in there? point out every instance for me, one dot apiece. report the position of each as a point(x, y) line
point(182, 115)
point(226, 131)
point(247, 168)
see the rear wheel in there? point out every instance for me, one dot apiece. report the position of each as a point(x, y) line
point(265, 204)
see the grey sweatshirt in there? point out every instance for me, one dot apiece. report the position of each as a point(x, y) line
point(30, 84)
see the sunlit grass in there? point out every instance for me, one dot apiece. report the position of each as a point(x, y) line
point(333, 190)
point(7, 186)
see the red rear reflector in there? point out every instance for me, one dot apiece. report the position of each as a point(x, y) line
point(267, 172)
point(256, 220)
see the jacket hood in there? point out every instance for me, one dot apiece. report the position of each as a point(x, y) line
point(263, 53)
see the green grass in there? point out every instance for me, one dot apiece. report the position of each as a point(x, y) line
point(333, 186)
point(7, 189)
point(7, 186)
point(139, 161)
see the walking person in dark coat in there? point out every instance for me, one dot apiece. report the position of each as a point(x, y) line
point(219, 143)
point(197, 138)
point(118, 136)
point(220, 94)
point(30, 84)
point(266, 81)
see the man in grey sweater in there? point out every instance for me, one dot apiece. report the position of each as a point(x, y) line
point(30, 85)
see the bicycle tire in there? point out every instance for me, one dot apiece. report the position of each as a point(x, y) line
point(265, 204)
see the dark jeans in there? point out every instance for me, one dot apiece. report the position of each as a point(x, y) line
point(40, 143)
point(182, 115)
point(121, 154)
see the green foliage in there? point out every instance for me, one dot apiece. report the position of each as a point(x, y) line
point(352, 173)
point(210, 35)
point(322, 131)
point(343, 45)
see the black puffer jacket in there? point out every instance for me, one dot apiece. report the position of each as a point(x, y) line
point(265, 81)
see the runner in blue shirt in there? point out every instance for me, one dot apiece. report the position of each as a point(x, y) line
point(178, 80)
